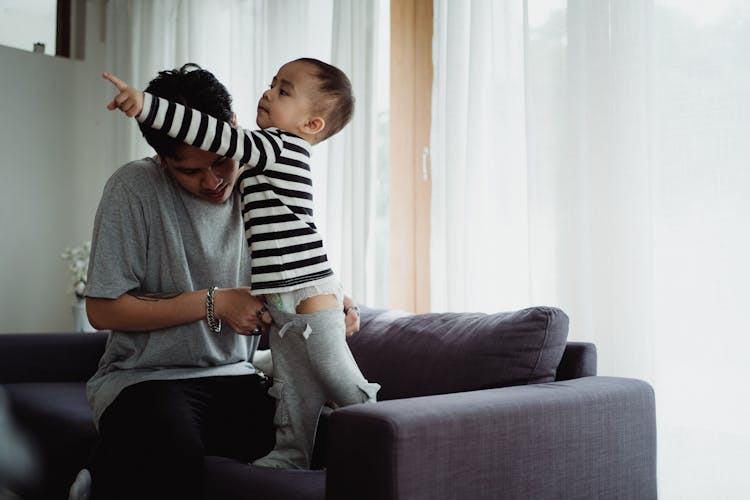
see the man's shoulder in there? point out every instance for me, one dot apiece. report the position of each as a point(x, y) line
point(137, 175)
point(138, 168)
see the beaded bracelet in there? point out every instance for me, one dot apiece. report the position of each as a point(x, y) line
point(213, 324)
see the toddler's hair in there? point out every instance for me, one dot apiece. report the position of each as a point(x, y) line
point(337, 105)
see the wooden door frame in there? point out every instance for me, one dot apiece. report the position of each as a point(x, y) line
point(409, 192)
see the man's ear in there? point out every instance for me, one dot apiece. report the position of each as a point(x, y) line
point(234, 119)
point(314, 125)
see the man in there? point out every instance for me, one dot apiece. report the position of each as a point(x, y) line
point(167, 272)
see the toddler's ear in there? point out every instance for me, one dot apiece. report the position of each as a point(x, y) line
point(315, 125)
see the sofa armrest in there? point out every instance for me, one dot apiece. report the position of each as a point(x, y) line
point(50, 357)
point(578, 360)
point(593, 437)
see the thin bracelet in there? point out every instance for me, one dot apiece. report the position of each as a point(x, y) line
point(213, 324)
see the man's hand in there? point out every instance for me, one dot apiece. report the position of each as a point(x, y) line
point(352, 316)
point(129, 100)
point(239, 309)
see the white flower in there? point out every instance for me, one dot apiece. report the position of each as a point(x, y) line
point(78, 263)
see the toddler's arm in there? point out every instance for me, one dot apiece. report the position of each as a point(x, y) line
point(223, 136)
point(256, 148)
point(129, 100)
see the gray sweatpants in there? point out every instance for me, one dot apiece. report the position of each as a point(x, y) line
point(312, 364)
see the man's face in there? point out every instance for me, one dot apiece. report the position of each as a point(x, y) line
point(205, 175)
point(287, 104)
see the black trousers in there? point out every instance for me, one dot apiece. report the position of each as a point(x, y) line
point(155, 435)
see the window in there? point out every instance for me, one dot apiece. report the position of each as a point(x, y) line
point(53, 27)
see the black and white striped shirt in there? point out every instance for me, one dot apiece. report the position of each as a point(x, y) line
point(286, 250)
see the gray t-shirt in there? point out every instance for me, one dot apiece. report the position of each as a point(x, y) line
point(151, 235)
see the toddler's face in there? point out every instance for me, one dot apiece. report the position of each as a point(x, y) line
point(287, 104)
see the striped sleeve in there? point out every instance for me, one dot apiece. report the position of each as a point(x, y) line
point(256, 148)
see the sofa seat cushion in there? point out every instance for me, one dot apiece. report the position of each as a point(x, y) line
point(437, 353)
point(58, 417)
point(227, 478)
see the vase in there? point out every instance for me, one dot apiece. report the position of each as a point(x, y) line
point(80, 320)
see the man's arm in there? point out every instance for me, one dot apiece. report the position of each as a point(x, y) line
point(137, 312)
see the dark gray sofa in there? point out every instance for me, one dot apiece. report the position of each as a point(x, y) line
point(472, 406)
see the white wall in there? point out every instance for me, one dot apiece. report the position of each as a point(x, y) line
point(51, 176)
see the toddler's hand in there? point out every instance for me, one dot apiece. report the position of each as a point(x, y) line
point(129, 100)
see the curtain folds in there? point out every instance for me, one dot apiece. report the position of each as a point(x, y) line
point(352, 153)
point(479, 231)
point(589, 155)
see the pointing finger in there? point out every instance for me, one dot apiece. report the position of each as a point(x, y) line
point(115, 81)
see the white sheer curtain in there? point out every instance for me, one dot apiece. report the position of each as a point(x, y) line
point(479, 227)
point(143, 37)
point(244, 42)
point(350, 194)
point(591, 155)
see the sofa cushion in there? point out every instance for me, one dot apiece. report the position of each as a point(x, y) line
point(422, 354)
point(50, 357)
point(58, 417)
point(227, 478)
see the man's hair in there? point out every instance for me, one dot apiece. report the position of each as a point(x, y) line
point(191, 86)
point(337, 105)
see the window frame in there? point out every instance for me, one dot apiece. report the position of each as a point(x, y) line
point(409, 173)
